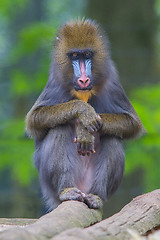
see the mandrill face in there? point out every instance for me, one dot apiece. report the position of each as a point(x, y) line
point(81, 55)
point(82, 73)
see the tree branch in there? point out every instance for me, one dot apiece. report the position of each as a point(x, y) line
point(67, 215)
point(137, 218)
point(141, 214)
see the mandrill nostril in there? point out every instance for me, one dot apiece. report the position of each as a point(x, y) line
point(83, 82)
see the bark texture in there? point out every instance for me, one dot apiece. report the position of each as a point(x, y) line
point(140, 217)
point(68, 215)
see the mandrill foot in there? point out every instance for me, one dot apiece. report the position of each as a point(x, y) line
point(71, 194)
point(91, 200)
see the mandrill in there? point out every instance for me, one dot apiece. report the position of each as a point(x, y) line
point(80, 120)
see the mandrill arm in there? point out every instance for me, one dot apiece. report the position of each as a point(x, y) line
point(39, 120)
point(121, 125)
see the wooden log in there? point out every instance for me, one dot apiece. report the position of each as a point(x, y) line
point(67, 215)
point(142, 214)
point(6, 223)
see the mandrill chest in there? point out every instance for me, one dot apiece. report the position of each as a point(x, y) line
point(82, 95)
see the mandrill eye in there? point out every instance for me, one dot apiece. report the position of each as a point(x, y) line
point(74, 56)
point(87, 54)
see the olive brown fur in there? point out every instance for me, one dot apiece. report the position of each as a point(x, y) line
point(81, 119)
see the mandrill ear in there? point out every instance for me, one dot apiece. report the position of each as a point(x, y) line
point(57, 39)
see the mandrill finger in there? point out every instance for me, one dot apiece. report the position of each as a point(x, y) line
point(90, 149)
point(79, 152)
point(80, 149)
point(83, 154)
point(93, 150)
point(96, 126)
point(99, 125)
point(90, 129)
point(99, 117)
point(83, 147)
point(88, 153)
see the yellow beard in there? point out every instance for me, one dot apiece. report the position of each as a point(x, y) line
point(83, 95)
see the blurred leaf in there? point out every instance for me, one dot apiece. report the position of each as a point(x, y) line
point(144, 153)
point(157, 7)
point(20, 83)
point(16, 152)
point(32, 38)
point(24, 84)
point(8, 7)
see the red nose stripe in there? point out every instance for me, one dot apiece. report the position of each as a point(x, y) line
point(83, 76)
point(83, 81)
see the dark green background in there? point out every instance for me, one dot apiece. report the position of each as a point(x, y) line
point(27, 30)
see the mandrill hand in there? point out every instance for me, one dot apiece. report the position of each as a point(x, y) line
point(84, 140)
point(89, 118)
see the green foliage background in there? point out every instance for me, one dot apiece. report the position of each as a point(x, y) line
point(145, 153)
point(26, 43)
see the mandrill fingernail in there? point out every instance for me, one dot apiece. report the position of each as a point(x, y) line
point(83, 195)
point(99, 117)
point(94, 151)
